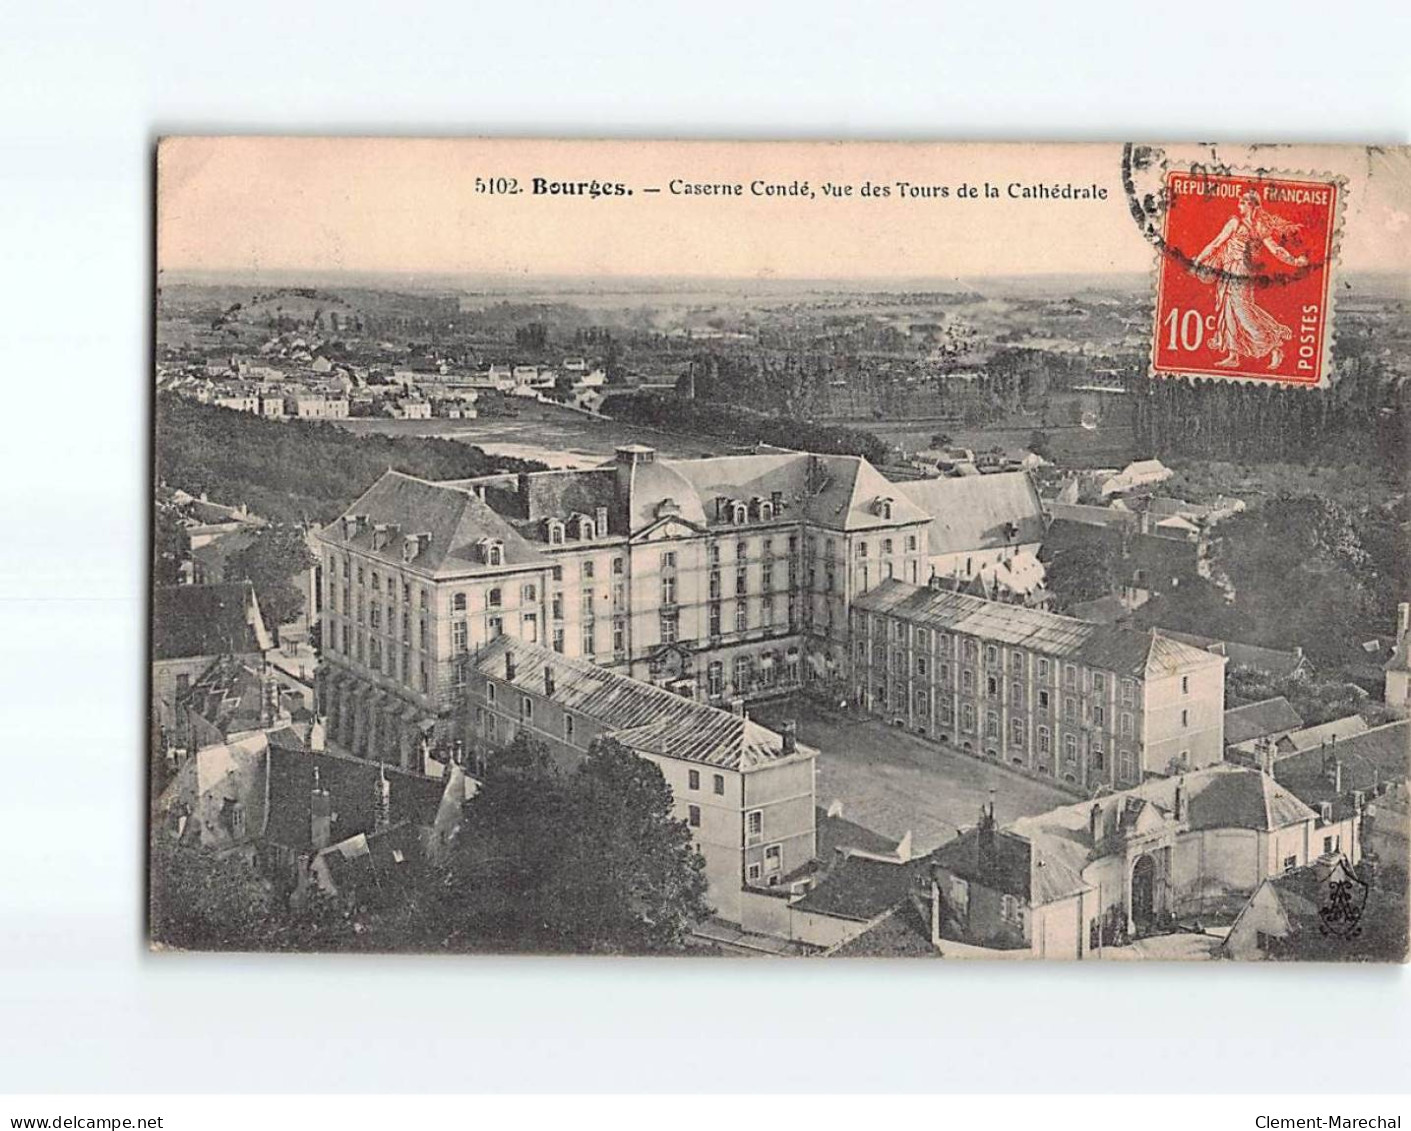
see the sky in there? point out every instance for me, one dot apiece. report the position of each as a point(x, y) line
point(252, 206)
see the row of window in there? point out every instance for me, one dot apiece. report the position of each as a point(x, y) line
point(386, 659)
point(379, 583)
point(1074, 677)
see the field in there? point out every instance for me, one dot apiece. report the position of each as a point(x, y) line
point(560, 437)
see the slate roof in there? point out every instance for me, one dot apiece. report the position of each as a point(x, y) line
point(1010, 871)
point(1271, 660)
point(640, 715)
point(1110, 647)
point(1374, 757)
point(454, 517)
point(836, 492)
point(229, 695)
point(352, 785)
point(1085, 514)
point(860, 888)
point(366, 864)
point(1311, 737)
point(214, 554)
point(978, 512)
point(838, 833)
point(1274, 716)
point(206, 620)
point(901, 934)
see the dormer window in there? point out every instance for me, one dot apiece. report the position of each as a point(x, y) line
point(883, 507)
point(584, 528)
point(738, 513)
point(555, 532)
point(492, 551)
point(766, 511)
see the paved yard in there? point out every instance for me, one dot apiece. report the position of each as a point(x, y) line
point(1179, 947)
point(892, 781)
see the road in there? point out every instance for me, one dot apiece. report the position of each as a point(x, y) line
point(892, 781)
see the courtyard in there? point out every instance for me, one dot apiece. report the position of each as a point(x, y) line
point(892, 781)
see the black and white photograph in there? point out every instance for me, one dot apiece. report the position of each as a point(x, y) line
point(985, 552)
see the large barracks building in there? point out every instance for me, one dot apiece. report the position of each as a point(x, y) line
point(721, 579)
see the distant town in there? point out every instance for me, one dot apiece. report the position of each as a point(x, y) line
point(796, 621)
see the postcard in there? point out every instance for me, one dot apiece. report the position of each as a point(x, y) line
point(789, 549)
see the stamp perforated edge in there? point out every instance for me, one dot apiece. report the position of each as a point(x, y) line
point(1160, 256)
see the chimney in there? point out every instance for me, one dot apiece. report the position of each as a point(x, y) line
point(1181, 799)
point(548, 680)
point(985, 840)
point(600, 520)
point(789, 731)
point(522, 486)
point(1264, 750)
point(379, 536)
point(382, 801)
point(1337, 775)
point(320, 815)
point(737, 707)
point(776, 500)
point(509, 666)
point(1095, 824)
point(1403, 619)
point(722, 508)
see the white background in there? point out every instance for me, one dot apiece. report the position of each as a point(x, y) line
point(84, 89)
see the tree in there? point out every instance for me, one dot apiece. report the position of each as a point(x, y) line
point(635, 880)
point(591, 860)
point(200, 901)
point(270, 563)
point(169, 546)
point(1303, 576)
point(1082, 569)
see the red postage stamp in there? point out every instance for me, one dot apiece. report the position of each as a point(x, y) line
point(1244, 288)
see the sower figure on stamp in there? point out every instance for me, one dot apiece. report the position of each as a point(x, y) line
point(1242, 327)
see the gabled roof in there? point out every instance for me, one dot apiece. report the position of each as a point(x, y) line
point(1270, 660)
point(1274, 716)
point(835, 492)
point(1372, 758)
point(351, 784)
point(454, 517)
point(642, 716)
point(902, 934)
point(382, 861)
point(1310, 737)
point(229, 695)
point(861, 888)
point(207, 620)
point(978, 512)
point(1110, 647)
point(1008, 871)
point(849, 495)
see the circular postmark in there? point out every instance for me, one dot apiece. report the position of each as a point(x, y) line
point(1300, 245)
